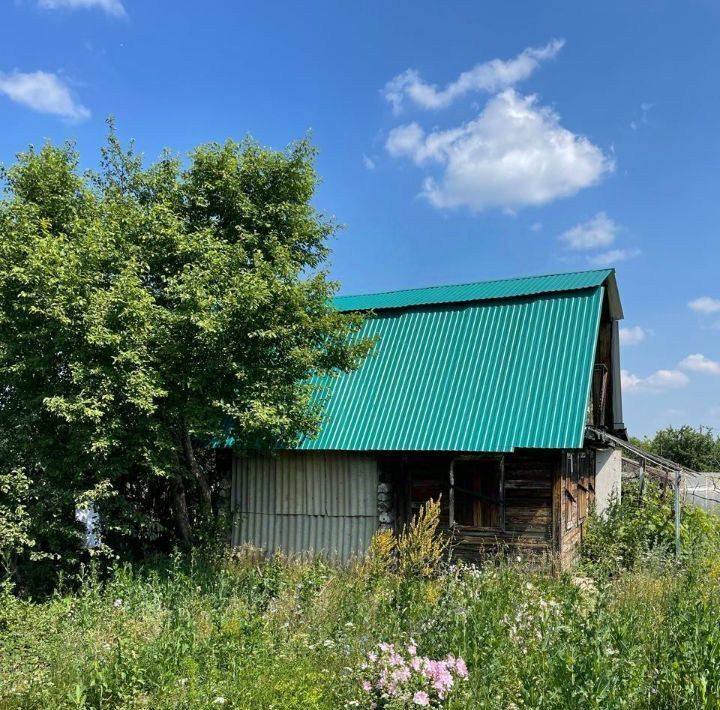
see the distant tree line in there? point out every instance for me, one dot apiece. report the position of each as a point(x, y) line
point(696, 448)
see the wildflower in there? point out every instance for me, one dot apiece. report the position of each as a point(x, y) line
point(461, 668)
point(367, 686)
point(372, 657)
point(421, 698)
point(401, 674)
point(412, 649)
point(118, 603)
point(219, 700)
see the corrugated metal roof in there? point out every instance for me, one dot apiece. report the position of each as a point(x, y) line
point(479, 291)
point(487, 375)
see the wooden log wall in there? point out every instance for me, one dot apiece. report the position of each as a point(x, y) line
point(577, 493)
point(528, 487)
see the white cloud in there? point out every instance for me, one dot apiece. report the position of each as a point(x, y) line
point(112, 7)
point(596, 232)
point(659, 381)
point(699, 363)
point(43, 92)
point(536, 227)
point(705, 304)
point(368, 162)
point(489, 76)
point(632, 336)
point(614, 256)
point(644, 110)
point(514, 154)
point(406, 141)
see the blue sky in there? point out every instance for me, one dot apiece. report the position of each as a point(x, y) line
point(459, 141)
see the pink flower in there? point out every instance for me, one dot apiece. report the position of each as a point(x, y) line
point(372, 656)
point(400, 675)
point(416, 663)
point(421, 698)
point(462, 670)
point(412, 649)
point(367, 686)
point(395, 659)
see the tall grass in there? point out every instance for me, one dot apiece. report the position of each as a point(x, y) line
point(207, 632)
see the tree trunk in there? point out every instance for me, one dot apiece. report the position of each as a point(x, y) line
point(198, 473)
point(182, 517)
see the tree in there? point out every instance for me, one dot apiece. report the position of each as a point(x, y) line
point(697, 449)
point(146, 312)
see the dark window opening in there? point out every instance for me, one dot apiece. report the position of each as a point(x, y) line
point(478, 488)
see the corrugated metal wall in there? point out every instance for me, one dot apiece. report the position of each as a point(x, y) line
point(305, 501)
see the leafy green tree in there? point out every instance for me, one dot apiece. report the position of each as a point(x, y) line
point(697, 449)
point(148, 311)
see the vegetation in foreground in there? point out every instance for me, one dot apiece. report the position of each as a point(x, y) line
point(217, 631)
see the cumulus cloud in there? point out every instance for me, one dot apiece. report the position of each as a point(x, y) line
point(43, 92)
point(705, 304)
point(514, 154)
point(596, 232)
point(489, 76)
point(658, 381)
point(614, 256)
point(633, 335)
point(699, 363)
point(111, 7)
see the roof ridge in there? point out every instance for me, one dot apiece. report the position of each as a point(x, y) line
point(473, 283)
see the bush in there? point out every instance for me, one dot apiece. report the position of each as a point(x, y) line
point(633, 529)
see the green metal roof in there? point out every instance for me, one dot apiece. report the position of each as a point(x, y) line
point(479, 291)
point(503, 365)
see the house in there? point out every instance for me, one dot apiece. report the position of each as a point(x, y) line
point(489, 395)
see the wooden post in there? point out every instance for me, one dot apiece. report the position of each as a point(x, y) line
point(677, 515)
point(451, 496)
point(642, 479)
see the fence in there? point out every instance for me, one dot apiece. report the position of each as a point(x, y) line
point(699, 488)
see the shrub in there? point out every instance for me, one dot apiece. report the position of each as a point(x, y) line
point(420, 546)
point(633, 528)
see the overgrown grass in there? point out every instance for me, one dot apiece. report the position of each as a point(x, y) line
point(289, 634)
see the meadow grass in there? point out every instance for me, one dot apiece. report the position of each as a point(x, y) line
point(212, 630)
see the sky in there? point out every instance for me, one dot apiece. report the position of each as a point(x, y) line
point(459, 141)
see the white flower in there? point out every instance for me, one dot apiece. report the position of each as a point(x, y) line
point(118, 603)
point(219, 700)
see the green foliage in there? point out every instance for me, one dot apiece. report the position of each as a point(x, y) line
point(633, 529)
point(696, 449)
point(420, 546)
point(196, 631)
point(144, 312)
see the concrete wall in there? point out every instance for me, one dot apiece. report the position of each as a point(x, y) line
point(608, 477)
